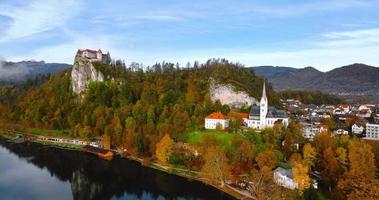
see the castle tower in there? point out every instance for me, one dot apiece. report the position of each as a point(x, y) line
point(263, 107)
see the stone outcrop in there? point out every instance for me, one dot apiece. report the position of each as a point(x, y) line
point(228, 95)
point(83, 72)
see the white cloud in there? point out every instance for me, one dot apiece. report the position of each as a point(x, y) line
point(36, 17)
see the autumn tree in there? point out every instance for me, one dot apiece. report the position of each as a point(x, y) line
point(288, 144)
point(309, 155)
point(331, 168)
point(359, 181)
point(216, 165)
point(301, 176)
point(266, 159)
point(163, 148)
point(106, 140)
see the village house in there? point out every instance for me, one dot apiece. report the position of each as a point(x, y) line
point(215, 120)
point(357, 129)
point(376, 118)
point(263, 116)
point(344, 107)
point(364, 113)
point(372, 131)
point(283, 177)
point(340, 131)
point(310, 130)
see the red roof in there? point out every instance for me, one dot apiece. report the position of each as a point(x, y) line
point(242, 115)
point(89, 50)
point(216, 115)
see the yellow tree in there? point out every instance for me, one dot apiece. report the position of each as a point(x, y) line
point(163, 148)
point(216, 165)
point(106, 141)
point(301, 177)
point(309, 155)
point(359, 181)
point(342, 156)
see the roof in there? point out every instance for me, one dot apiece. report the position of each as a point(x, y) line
point(272, 112)
point(242, 115)
point(216, 115)
point(89, 50)
point(284, 172)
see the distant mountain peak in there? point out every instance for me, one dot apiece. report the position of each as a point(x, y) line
point(351, 79)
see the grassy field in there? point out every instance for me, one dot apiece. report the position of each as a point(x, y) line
point(55, 133)
point(195, 137)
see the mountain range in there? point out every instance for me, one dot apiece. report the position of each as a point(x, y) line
point(355, 79)
point(15, 72)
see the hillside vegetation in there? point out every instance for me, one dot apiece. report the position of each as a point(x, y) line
point(355, 79)
point(131, 102)
point(311, 97)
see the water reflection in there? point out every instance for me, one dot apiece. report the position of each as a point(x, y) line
point(32, 171)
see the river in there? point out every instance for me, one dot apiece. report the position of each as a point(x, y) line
point(33, 171)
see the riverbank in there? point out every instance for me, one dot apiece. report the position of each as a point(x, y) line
point(189, 174)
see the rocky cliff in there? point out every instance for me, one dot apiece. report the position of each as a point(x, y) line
point(83, 72)
point(227, 94)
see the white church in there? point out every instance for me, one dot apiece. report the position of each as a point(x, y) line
point(263, 116)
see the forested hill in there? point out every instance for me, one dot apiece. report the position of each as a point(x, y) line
point(16, 72)
point(355, 79)
point(146, 103)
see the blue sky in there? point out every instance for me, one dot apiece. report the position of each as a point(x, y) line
point(298, 33)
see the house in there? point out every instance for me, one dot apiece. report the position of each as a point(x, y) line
point(344, 107)
point(376, 118)
point(357, 129)
point(372, 131)
point(340, 131)
point(283, 177)
point(263, 116)
point(311, 130)
point(238, 116)
point(364, 113)
point(215, 119)
point(94, 55)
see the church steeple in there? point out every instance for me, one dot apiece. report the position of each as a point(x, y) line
point(264, 90)
point(263, 107)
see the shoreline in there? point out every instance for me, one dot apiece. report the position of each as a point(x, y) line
point(152, 165)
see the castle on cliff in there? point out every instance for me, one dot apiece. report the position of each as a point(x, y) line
point(94, 55)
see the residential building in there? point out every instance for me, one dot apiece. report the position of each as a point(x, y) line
point(283, 177)
point(263, 116)
point(214, 119)
point(364, 113)
point(311, 130)
point(340, 131)
point(357, 129)
point(372, 131)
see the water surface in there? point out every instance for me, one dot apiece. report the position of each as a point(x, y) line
point(33, 171)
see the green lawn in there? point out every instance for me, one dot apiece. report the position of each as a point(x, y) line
point(56, 133)
point(195, 137)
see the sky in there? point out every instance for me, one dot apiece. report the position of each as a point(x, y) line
point(324, 34)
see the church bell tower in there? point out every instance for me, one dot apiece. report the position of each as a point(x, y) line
point(263, 107)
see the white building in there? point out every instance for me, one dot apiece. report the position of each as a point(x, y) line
point(372, 131)
point(365, 113)
point(283, 177)
point(212, 120)
point(357, 129)
point(311, 130)
point(341, 132)
point(263, 116)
